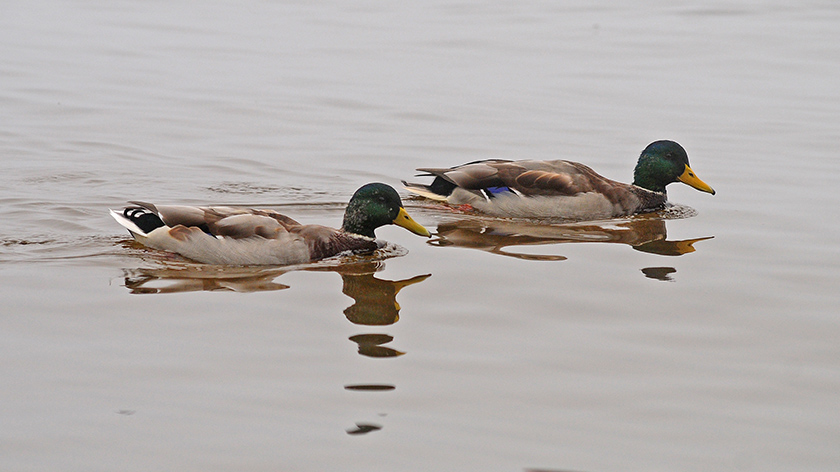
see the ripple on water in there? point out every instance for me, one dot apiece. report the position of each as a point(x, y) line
point(45, 248)
point(677, 211)
point(244, 188)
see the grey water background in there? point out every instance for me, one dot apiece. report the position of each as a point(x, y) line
point(524, 349)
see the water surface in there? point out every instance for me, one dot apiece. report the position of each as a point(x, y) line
point(705, 340)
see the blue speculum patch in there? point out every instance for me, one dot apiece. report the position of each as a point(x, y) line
point(493, 191)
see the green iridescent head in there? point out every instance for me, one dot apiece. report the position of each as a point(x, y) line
point(665, 162)
point(375, 205)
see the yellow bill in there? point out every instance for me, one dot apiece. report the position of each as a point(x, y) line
point(689, 178)
point(407, 222)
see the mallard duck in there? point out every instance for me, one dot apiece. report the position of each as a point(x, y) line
point(560, 189)
point(237, 236)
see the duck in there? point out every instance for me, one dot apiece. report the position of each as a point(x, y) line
point(242, 237)
point(560, 188)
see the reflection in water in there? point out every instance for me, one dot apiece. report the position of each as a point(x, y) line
point(364, 428)
point(659, 273)
point(370, 345)
point(550, 470)
point(201, 278)
point(375, 304)
point(370, 387)
point(644, 233)
point(375, 299)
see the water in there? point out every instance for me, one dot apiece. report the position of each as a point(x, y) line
point(501, 346)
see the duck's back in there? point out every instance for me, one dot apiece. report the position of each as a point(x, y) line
point(531, 188)
point(241, 236)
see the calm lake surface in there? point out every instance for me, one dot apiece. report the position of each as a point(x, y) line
point(512, 346)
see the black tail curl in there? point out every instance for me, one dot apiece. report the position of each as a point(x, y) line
point(143, 218)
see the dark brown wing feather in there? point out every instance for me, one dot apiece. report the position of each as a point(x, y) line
point(472, 176)
point(233, 222)
point(544, 178)
point(540, 178)
point(552, 178)
point(527, 177)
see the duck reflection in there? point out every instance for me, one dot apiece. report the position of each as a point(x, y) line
point(371, 345)
point(659, 273)
point(646, 234)
point(375, 304)
point(201, 278)
point(375, 299)
point(364, 428)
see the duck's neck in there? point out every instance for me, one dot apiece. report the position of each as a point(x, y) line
point(320, 248)
point(355, 222)
point(649, 173)
point(358, 230)
point(650, 201)
point(644, 175)
point(649, 184)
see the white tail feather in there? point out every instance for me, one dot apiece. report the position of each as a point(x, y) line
point(127, 224)
point(423, 192)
